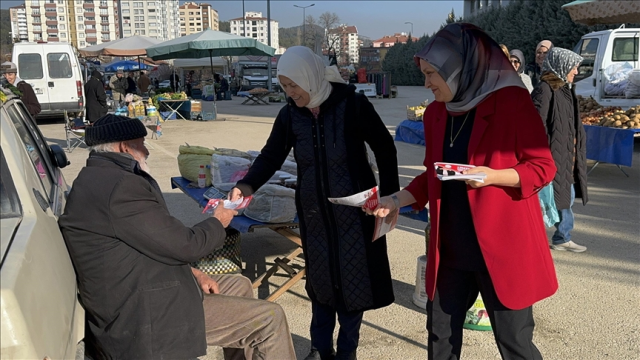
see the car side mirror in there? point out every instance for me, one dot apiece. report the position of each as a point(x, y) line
point(58, 156)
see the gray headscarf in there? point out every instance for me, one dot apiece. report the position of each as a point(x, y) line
point(560, 61)
point(471, 62)
point(518, 54)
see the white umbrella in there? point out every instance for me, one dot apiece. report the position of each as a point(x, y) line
point(592, 12)
point(130, 46)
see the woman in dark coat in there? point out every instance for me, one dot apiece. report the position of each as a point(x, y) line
point(131, 84)
point(328, 124)
point(96, 97)
point(556, 101)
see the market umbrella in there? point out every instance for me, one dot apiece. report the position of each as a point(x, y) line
point(130, 46)
point(208, 43)
point(592, 12)
point(126, 65)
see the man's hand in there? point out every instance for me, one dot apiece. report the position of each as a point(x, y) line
point(207, 284)
point(234, 194)
point(224, 215)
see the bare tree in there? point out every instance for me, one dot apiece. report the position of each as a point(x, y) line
point(329, 21)
point(310, 32)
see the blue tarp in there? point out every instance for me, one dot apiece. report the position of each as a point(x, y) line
point(125, 65)
point(610, 145)
point(411, 132)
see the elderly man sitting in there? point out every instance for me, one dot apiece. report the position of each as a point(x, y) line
point(142, 300)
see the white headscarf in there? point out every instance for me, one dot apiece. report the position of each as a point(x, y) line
point(308, 71)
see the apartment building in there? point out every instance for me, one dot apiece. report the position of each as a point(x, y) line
point(255, 26)
point(475, 7)
point(390, 40)
point(159, 19)
point(18, 16)
point(344, 41)
point(197, 17)
point(79, 22)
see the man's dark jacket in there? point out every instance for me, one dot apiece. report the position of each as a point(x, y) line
point(29, 98)
point(345, 268)
point(558, 107)
point(534, 72)
point(131, 258)
point(96, 99)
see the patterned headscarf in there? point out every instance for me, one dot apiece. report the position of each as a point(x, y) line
point(560, 61)
point(472, 64)
point(308, 71)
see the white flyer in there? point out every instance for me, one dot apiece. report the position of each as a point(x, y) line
point(452, 171)
point(369, 200)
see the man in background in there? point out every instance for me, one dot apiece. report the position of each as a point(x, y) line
point(118, 85)
point(143, 83)
point(21, 88)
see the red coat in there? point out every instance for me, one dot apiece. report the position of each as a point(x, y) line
point(507, 133)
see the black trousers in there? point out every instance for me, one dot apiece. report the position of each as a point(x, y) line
point(456, 291)
point(323, 322)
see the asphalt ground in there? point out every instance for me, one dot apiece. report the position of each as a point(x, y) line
point(594, 315)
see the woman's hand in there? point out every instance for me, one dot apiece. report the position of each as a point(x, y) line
point(385, 206)
point(234, 194)
point(504, 177)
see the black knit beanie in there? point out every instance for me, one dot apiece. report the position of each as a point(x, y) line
point(111, 128)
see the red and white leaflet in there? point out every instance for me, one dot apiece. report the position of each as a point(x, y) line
point(369, 200)
point(241, 203)
point(451, 171)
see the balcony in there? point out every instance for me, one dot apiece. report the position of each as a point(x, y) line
point(90, 22)
point(36, 21)
point(89, 14)
point(51, 22)
point(90, 31)
point(50, 13)
point(87, 5)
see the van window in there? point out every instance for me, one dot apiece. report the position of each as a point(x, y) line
point(30, 66)
point(587, 48)
point(59, 65)
point(625, 49)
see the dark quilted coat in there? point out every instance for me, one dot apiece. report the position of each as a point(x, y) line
point(345, 269)
point(558, 107)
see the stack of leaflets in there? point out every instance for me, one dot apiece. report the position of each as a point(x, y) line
point(451, 171)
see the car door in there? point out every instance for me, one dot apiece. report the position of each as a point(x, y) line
point(41, 316)
point(61, 79)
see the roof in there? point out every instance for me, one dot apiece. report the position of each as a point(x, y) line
point(21, 6)
point(190, 5)
point(395, 38)
point(349, 29)
point(251, 18)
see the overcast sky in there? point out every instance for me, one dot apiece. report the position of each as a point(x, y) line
point(372, 18)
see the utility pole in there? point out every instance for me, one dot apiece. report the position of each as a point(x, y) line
point(409, 22)
point(304, 22)
point(269, 81)
point(244, 25)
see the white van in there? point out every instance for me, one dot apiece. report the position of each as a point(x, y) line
point(601, 49)
point(53, 70)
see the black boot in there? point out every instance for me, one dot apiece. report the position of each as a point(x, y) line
point(316, 354)
point(341, 355)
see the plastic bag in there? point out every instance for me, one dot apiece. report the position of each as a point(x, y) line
point(227, 170)
point(272, 204)
point(633, 86)
point(616, 78)
point(190, 159)
point(548, 205)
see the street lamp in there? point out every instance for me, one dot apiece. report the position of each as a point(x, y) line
point(409, 22)
point(304, 21)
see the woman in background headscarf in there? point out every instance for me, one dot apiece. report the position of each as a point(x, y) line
point(534, 69)
point(556, 101)
point(96, 97)
point(517, 60)
point(486, 237)
point(327, 124)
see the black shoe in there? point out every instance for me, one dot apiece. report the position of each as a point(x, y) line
point(315, 354)
point(345, 356)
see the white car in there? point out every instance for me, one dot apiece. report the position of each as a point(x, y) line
point(41, 315)
point(164, 84)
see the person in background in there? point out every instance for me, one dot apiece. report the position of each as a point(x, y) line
point(131, 84)
point(328, 124)
point(21, 88)
point(517, 60)
point(224, 84)
point(534, 69)
point(96, 98)
point(174, 79)
point(142, 299)
point(118, 85)
point(156, 83)
point(555, 98)
point(188, 81)
point(143, 83)
point(486, 237)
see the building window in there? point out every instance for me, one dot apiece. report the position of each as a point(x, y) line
point(62, 27)
point(151, 10)
point(35, 12)
point(79, 10)
point(253, 23)
point(80, 18)
point(81, 35)
point(35, 2)
point(82, 44)
point(151, 3)
point(104, 19)
point(127, 32)
point(90, 18)
point(138, 4)
point(126, 11)
point(91, 27)
point(104, 12)
point(124, 4)
point(63, 35)
point(152, 17)
point(60, 9)
point(142, 32)
point(80, 27)
point(51, 18)
point(60, 18)
point(105, 27)
point(199, 29)
point(105, 37)
point(37, 28)
point(153, 32)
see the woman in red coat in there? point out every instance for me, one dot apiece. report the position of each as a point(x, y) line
point(485, 237)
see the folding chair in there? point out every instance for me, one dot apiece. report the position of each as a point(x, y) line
point(74, 131)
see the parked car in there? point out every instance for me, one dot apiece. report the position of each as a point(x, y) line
point(601, 50)
point(41, 315)
point(54, 72)
point(164, 84)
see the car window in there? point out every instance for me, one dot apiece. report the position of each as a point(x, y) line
point(625, 49)
point(30, 66)
point(587, 48)
point(32, 141)
point(59, 65)
point(9, 200)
